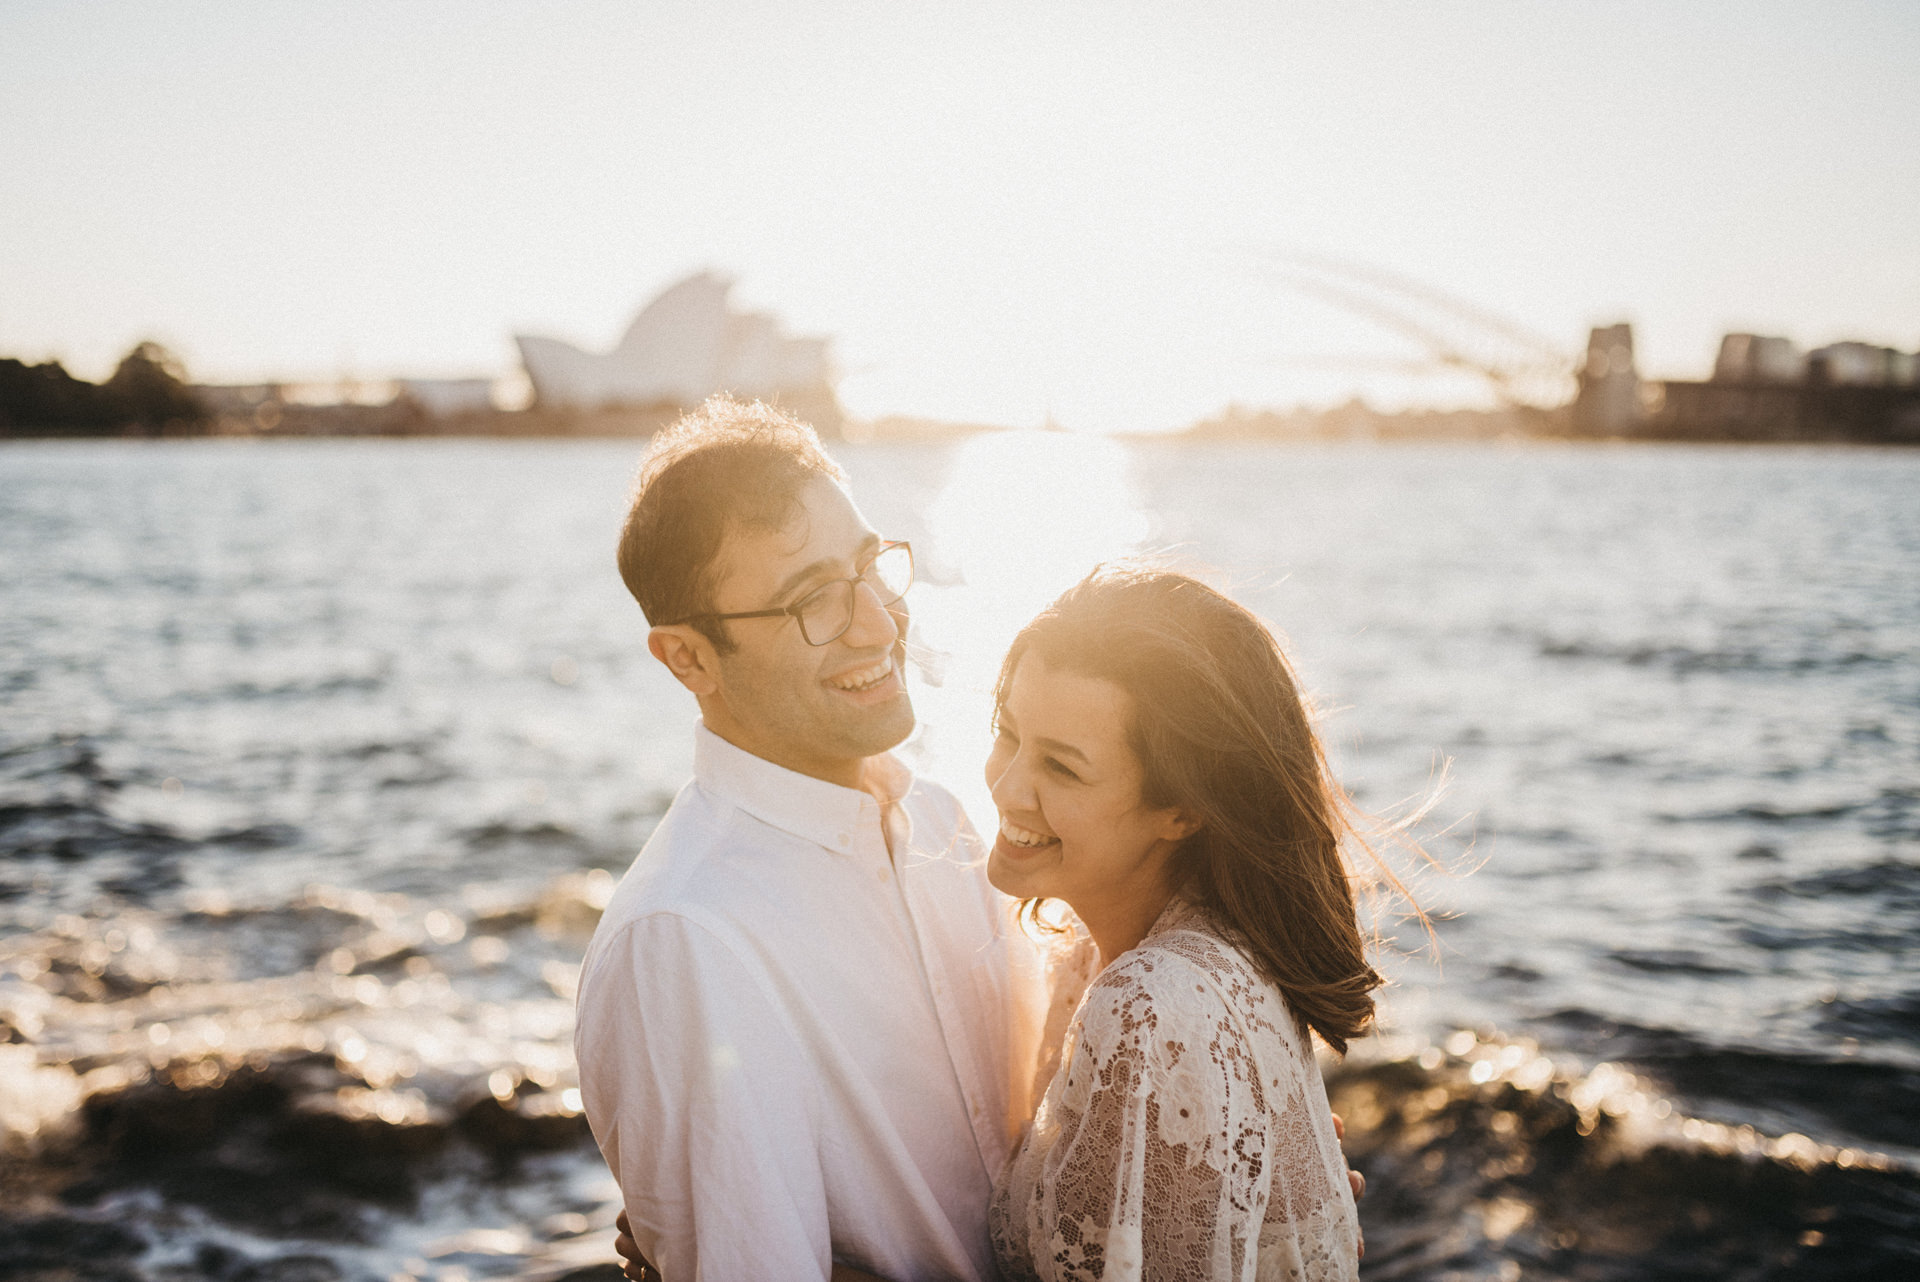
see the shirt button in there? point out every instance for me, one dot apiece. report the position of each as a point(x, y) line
point(885, 874)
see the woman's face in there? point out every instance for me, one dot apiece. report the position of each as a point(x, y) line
point(1067, 786)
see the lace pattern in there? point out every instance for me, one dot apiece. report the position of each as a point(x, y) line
point(1186, 1133)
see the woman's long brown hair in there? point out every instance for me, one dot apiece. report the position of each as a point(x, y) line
point(1222, 732)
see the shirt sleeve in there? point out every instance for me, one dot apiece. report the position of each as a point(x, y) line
point(700, 1098)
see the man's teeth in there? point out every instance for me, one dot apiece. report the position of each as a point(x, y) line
point(1018, 836)
point(865, 678)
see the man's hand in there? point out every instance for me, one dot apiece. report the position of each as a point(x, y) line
point(1357, 1180)
point(633, 1264)
point(640, 1269)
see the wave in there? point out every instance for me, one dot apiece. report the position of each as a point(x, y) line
point(1684, 659)
point(1894, 1017)
point(1894, 881)
point(72, 830)
point(1670, 961)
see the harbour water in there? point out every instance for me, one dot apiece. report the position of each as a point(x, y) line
point(318, 758)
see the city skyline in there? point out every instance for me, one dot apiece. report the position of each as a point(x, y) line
point(1003, 215)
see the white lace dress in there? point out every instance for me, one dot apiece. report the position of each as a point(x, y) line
point(1186, 1134)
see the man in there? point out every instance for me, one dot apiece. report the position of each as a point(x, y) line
point(803, 1032)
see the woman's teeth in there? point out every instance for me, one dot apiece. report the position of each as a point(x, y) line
point(1025, 837)
point(865, 678)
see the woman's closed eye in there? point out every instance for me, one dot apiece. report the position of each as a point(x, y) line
point(1060, 768)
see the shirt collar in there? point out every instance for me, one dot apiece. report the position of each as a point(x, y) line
point(812, 809)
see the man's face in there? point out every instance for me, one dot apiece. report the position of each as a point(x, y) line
point(820, 710)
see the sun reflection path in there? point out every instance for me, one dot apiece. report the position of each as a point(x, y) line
point(1023, 516)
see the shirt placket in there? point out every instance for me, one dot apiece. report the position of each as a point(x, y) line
point(956, 1027)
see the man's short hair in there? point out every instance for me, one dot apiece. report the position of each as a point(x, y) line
point(725, 466)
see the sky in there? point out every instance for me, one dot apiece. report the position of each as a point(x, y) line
point(1001, 213)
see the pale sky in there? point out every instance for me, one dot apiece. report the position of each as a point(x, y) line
point(999, 212)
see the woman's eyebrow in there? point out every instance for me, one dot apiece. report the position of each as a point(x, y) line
point(1061, 749)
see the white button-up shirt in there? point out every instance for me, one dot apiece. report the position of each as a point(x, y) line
point(796, 1047)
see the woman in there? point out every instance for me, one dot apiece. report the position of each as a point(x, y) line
point(1155, 770)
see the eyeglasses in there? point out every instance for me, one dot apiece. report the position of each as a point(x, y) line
point(827, 612)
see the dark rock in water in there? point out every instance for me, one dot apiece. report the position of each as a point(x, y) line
point(158, 1121)
point(218, 1263)
point(362, 1156)
point(291, 1268)
point(292, 1147)
point(54, 1246)
point(527, 1124)
point(1469, 1178)
point(260, 1147)
point(1878, 1103)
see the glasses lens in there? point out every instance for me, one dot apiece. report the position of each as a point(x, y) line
point(891, 573)
point(826, 612)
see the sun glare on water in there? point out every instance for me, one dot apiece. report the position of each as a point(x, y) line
point(1023, 516)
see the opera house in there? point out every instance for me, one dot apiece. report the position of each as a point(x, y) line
point(684, 346)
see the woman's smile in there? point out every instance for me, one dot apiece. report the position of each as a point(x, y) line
point(1023, 840)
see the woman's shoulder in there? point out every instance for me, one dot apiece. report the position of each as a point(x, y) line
point(1188, 971)
point(1185, 963)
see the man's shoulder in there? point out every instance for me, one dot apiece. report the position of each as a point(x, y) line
point(673, 875)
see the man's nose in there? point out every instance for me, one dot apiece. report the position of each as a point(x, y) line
point(873, 624)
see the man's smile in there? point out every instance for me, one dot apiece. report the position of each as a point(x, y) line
point(879, 677)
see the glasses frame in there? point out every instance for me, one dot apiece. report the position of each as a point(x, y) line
point(798, 609)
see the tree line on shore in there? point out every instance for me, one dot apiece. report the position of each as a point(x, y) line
point(146, 396)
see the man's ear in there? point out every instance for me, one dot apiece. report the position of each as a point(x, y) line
point(689, 655)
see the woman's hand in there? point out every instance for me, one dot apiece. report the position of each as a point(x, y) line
point(1357, 1180)
point(1354, 1178)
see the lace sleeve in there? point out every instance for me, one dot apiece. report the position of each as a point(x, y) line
point(1176, 1125)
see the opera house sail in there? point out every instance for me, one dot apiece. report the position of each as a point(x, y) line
point(684, 346)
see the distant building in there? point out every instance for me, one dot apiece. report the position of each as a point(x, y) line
point(1861, 365)
point(683, 346)
point(442, 397)
point(1753, 358)
point(1608, 401)
point(1766, 389)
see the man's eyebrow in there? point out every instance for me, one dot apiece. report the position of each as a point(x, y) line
point(809, 571)
point(824, 566)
